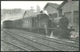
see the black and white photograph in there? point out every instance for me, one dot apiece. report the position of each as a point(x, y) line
point(40, 25)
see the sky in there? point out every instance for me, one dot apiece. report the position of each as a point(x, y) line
point(25, 4)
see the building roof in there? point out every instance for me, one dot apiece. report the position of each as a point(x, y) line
point(54, 5)
point(62, 4)
point(42, 14)
point(29, 14)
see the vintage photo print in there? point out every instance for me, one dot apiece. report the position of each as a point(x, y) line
point(40, 25)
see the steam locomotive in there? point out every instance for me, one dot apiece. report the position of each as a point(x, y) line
point(42, 23)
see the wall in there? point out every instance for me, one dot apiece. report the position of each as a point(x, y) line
point(51, 10)
point(68, 10)
point(70, 6)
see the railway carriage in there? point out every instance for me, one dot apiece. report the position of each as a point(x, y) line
point(8, 24)
point(17, 23)
point(36, 23)
point(28, 23)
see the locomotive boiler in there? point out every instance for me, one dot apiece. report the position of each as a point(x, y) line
point(60, 27)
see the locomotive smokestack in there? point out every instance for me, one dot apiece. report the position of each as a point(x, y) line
point(44, 11)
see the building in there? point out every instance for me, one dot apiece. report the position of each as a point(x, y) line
point(30, 13)
point(11, 11)
point(11, 14)
point(51, 9)
point(71, 10)
point(28, 18)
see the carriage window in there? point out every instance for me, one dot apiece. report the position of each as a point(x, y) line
point(26, 21)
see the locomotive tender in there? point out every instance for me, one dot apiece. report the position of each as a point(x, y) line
point(43, 23)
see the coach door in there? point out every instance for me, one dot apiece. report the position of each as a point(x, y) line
point(33, 22)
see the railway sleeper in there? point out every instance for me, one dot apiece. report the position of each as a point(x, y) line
point(65, 48)
point(35, 44)
point(60, 41)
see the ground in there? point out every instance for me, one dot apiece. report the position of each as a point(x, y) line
point(33, 37)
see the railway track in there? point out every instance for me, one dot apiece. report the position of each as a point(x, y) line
point(12, 48)
point(47, 42)
point(76, 40)
point(61, 41)
point(40, 47)
point(11, 39)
